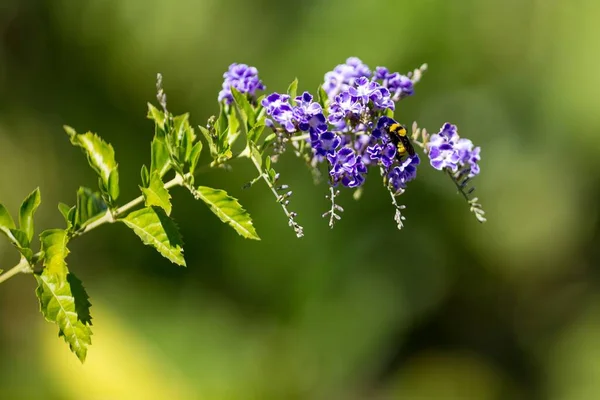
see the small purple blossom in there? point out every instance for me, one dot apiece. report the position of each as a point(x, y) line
point(347, 167)
point(344, 75)
point(278, 106)
point(405, 172)
point(242, 77)
point(399, 85)
point(309, 114)
point(325, 143)
point(342, 107)
point(448, 150)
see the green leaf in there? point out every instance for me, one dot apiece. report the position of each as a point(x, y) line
point(156, 229)
point(61, 304)
point(322, 97)
point(156, 194)
point(90, 207)
point(28, 208)
point(157, 116)
point(160, 160)
point(209, 139)
point(228, 210)
point(293, 89)
point(246, 111)
point(101, 157)
point(17, 237)
point(64, 210)
point(221, 125)
point(6, 220)
point(195, 156)
point(180, 125)
point(255, 133)
point(145, 175)
point(267, 142)
point(54, 245)
point(389, 113)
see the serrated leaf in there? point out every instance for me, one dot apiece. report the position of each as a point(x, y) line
point(228, 209)
point(101, 157)
point(60, 304)
point(26, 212)
point(195, 156)
point(156, 194)
point(160, 160)
point(156, 115)
point(293, 89)
point(156, 229)
point(54, 245)
point(90, 207)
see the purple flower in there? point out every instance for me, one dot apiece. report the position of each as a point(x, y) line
point(342, 107)
point(344, 76)
point(278, 106)
point(325, 143)
point(405, 172)
point(309, 114)
point(347, 168)
point(242, 77)
point(363, 89)
point(448, 150)
point(399, 85)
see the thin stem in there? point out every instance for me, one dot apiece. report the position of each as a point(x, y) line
point(22, 267)
point(299, 138)
point(460, 189)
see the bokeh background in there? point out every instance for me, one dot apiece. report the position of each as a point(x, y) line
point(445, 309)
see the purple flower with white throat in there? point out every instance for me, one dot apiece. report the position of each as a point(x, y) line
point(325, 143)
point(405, 172)
point(347, 168)
point(342, 107)
point(448, 150)
point(278, 107)
point(242, 77)
point(344, 75)
point(309, 114)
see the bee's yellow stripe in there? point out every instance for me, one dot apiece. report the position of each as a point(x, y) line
point(398, 129)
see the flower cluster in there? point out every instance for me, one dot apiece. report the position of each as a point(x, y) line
point(242, 77)
point(348, 129)
point(448, 150)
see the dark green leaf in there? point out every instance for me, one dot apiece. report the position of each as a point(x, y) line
point(293, 89)
point(228, 210)
point(26, 212)
point(61, 304)
point(160, 160)
point(156, 115)
point(156, 194)
point(156, 229)
point(101, 157)
point(90, 207)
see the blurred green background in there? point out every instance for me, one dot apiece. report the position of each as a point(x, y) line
point(445, 309)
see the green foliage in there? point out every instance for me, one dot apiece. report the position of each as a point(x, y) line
point(59, 302)
point(228, 209)
point(156, 194)
point(101, 157)
point(293, 89)
point(160, 161)
point(28, 208)
point(156, 229)
point(90, 207)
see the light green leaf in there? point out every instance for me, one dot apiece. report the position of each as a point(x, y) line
point(209, 139)
point(293, 89)
point(160, 160)
point(156, 115)
point(268, 141)
point(62, 305)
point(195, 156)
point(156, 194)
point(54, 245)
point(6, 220)
point(156, 229)
point(322, 97)
point(145, 175)
point(28, 208)
point(101, 157)
point(228, 210)
point(64, 210)
point(90, 207)
point(245, 110)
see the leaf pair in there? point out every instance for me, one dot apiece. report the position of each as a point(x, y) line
point(21, 237)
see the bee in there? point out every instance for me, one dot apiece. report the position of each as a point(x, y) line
point(399, 137)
